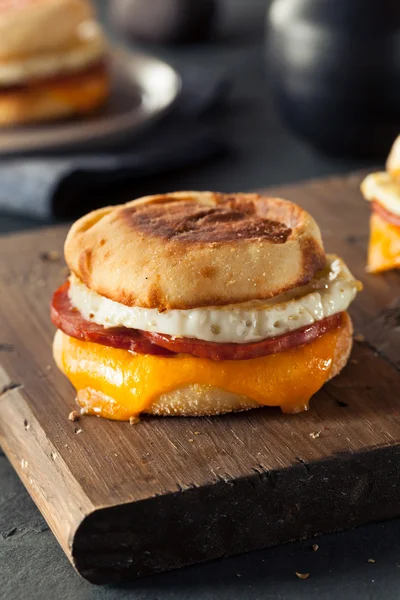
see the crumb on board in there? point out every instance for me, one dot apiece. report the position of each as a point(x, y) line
point(302, 575)
point(133, 420)
point(5, 347)
point(359, 337)
point(314, 547)
point(50, 255)
point(354, 361)
point(315, 434)
point(73, 415)
point(196, 433)
point(78, 430)
point(371, 560)
point(191, 440)
point(48, 367)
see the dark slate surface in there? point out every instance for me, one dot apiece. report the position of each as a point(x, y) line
point(263, 152)
point(33, 566)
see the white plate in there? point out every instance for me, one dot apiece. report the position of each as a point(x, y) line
point(142, 88)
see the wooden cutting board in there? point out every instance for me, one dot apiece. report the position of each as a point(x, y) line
point(125, 501)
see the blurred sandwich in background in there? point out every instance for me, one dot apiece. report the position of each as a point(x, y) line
point(52, 60)
point(382, 189)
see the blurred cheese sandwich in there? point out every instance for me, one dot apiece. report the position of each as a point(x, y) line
point(52, 60)
point(383, 191)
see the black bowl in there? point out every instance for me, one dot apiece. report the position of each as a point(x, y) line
point(335, 67)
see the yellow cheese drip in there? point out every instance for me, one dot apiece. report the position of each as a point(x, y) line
point(384, 245)
point(129, 383)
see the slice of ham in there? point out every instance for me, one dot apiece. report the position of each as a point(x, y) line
point(225, 351)
point(385, 214)
point(70, 321)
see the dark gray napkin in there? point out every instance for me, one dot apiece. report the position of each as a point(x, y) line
point(65, 186)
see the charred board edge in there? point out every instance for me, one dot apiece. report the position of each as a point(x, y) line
point(268, 508)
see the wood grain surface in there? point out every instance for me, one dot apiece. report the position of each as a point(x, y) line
point(125, 501)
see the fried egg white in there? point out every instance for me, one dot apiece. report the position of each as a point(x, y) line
point(89, 47)
point(384, 189)
point(329, 293)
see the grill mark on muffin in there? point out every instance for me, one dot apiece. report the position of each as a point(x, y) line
point(185, 221)
point(127, 299)
point(239, 203)
point(85, 266)
point(208, 272)
point(156, 297)
point(313, 259)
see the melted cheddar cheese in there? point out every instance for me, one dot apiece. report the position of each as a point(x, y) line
point(126, 384)
point(384, 245)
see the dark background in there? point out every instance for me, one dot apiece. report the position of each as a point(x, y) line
point(261, 152)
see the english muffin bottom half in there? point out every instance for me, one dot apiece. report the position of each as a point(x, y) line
point(200, 303)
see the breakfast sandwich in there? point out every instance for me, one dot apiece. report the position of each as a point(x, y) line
point(200, 303)
point(52, 60)
point(382, 189)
